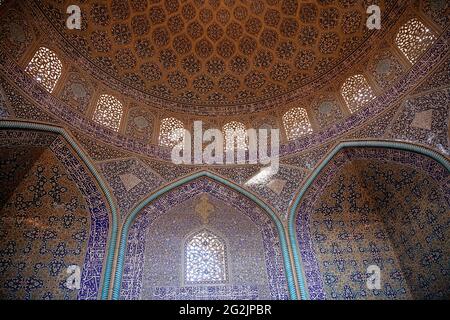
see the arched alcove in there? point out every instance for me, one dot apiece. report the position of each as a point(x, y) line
point(128, 84)
point(153, 260)
point(374, 204)
point(53, 215)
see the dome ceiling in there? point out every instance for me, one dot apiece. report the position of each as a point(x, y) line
point(211, 52)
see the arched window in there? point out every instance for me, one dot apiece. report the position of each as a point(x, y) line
point(413, 38)
point(205, 258)
point(237, 132)
point(296, 123)
point(45, 68)
point(356, 92)
point(108, 112)
point(171, 132)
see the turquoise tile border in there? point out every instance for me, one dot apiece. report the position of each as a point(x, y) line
point(444, 161)
point(269, 211)
point(113, 229)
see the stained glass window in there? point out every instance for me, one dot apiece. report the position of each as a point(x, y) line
point(356, 92)
point(171, 132)
point(205, 258)
point(108, 112)
point(413, 38)
point(45, 67)
point(237, 133)
point(296, 123)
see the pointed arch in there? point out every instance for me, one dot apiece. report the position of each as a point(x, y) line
point(103, 286)
point(120, 260)
point(294, 209)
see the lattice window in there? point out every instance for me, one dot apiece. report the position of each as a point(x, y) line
point(45, 68)
point(171, 132)
point(237, 132)
point(296, 123)
point(356, 92)
point(205, 258)
point(413, 39)
point(108, 112)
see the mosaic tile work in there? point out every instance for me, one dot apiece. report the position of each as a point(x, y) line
point(422, 120)
point(416, 73)
point(130, 180)
point(16, 33)
point(439, 78)
point(168, 58)
point(14, 164)
point(327, 111)
point(99, 214)
point(21, 108)
point(140, 123)
point(254, 256)
point(17, 159)
point(21, 138)
point(97, 150)
point(77, 91)
point(348, 236)
point(44, 229)
point(219, 54)
point(307, 160)
point(67, 116)
point(291, 179)
point(386, 68)
point(347, 210)
point(59, 218)
point(417, 220)
point(376, 128)
point(437, 10)
point(207, 293)
point(169, 171)
point(237, 174)
point(4, 113)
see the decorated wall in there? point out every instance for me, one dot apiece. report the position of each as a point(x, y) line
point(85, 117)
point(52, 217)
point(44, 229)
point(161, 262)
point(386, 208)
